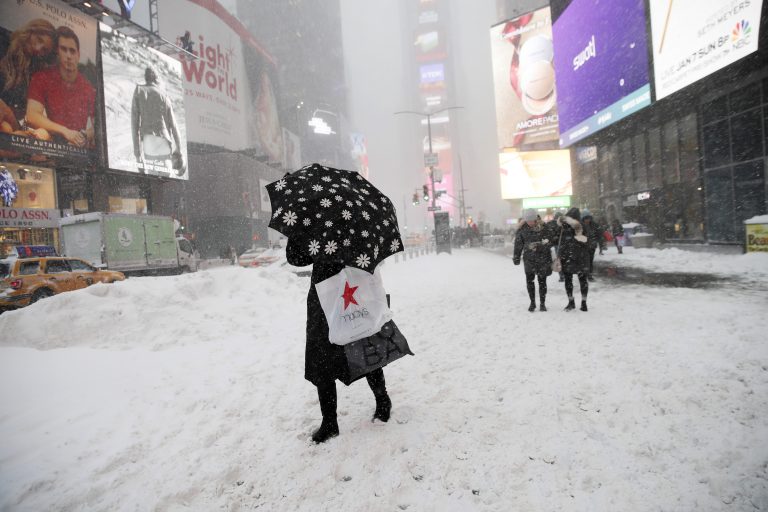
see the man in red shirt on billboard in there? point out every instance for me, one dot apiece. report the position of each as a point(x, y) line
point(60, 100)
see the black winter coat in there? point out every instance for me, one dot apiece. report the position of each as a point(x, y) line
point(573, 253)
point(594, 234)
point(533, 244)
point(323, 360)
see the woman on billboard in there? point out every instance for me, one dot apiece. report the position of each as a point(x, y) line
point(31, 49)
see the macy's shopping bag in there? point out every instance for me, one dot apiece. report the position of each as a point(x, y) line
point(354, 303)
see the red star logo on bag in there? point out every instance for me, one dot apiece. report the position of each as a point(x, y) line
point(349, 294)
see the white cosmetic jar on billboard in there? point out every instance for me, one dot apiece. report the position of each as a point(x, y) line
point(536, 49)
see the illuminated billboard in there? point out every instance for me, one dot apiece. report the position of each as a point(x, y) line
point(527, 174)
point(48, 81)
point(601, 64)
point(144, 108)
point(692, 39)
point(524, 80)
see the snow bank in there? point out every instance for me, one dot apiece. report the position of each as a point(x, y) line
point(757, 219)
point(187, 393)
point(743, 266)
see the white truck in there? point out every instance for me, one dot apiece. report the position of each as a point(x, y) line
point(132, 244)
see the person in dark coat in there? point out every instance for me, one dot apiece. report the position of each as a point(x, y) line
point(553, 229)
point(532, 244)
point(617, 230)
point(325, 362)
point(594, 240)
point(574, 256)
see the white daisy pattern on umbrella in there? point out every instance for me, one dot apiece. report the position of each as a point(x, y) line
point(366, 215)
point(280, 185)
point(394, 246)
point(364, 233)
point(346, 242)
point(314, 247)
point(338, 198)
point(363, 261)
point(326, 178)
point(290, 218)
point(381, 239)
point(325, 202)
point(349, 203)
point(277, 213)
point(346, 214)
point(317, 188)
point(330, 247)
point(306, 222)
point(376, 252)
point(385, 222)
point(328, 224)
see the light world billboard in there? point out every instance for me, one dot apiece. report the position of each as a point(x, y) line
point(527, 174)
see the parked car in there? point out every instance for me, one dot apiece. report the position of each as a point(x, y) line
point(637, 235)
point(247, 258)
point(24, 281)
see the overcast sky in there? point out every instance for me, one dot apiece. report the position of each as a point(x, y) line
point(373, 49)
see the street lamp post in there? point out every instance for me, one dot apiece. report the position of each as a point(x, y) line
point(429, 115)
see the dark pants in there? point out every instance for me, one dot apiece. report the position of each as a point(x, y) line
point(326, 392)
point(532, 288)
point(592, 259)
point(583, 285)
point(616, 241)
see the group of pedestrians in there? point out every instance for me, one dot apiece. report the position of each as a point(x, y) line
point(566, 244)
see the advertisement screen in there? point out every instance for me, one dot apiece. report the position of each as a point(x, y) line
point(430, 45)
point(144, 105)
point(692, 39)
point(601, 64)
point(524, 80)
point(218, 100)
point(535, 174)
point(47, 81)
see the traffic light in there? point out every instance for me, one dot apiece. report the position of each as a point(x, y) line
point(425, 192)
point(415, 199)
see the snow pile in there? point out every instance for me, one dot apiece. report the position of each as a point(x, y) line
point(187, 393)
point(757, 219)
point(747, 266)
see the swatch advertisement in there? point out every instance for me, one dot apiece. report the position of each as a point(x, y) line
point(526, 174)
point(144, 108)
point(48, 75)
point(601, 65)
point(524, 80)
point(692, 39)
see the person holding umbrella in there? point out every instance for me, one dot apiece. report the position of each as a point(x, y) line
point(333, 218)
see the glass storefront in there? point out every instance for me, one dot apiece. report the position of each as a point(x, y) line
point(32, 216)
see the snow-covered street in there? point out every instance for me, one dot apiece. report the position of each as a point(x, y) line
point(187, 393)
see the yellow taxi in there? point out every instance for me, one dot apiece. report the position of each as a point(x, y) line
point(24, 281)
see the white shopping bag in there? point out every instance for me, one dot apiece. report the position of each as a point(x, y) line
point(354, 303)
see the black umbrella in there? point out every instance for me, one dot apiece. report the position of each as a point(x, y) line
point(333, 214)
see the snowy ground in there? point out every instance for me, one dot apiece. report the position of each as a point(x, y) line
point(187, 393)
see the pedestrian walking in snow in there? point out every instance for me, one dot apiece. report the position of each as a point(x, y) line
point(617, 230)
point(573, 256)
point(594, 240)
point(324, 362)
point(553, 229)
point(335, 219)
point(532, 246)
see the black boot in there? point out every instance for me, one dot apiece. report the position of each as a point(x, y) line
point(590, 278)
point(379, 387)
point(571, 304)
point(328, 428)
point(532, 307)
point(326, 392)
point(584, 305)
point(542, 307)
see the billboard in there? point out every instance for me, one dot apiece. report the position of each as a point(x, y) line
point(692, 39)
point(48, 81)
point(535, 173)
point(601, 64)
point(218, 100)
point(524, 80)
point(144, 108)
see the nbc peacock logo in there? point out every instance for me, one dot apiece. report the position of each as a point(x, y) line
point(740, 31)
